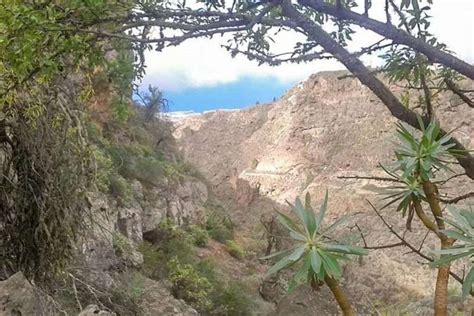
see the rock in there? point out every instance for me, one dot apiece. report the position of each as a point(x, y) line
point(96, 246)
point(126, 251)
point(157, 300)
point(94, 310)
point(130, 222)
point(20, 297)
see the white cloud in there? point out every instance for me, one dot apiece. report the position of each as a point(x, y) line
point(203, 63)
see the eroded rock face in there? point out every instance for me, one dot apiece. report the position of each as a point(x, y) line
point(320, 130)
point(19, 297)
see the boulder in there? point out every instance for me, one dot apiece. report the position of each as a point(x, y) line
point(94, 310)
point(19, 297)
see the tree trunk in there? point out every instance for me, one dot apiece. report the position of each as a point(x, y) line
point(340, 296)
point(441, 292)
point(442, 280)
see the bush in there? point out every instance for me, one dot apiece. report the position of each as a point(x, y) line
point(198, 235)
point(234, 301)
point(234, 249)
point(218, 223)
point(188, 285)
point(120, 188)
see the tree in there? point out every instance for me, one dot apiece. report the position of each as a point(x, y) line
point(418, 161)
point(153, 101)
point(317, 254)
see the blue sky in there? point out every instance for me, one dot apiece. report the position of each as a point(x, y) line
point(238, 94)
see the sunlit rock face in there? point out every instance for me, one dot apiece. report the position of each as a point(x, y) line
point(326, 127)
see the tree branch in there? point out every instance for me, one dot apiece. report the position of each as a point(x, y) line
point(398, 36)
point(458, 199)
point(354, 65)
point(410, 246)
point(454, 88)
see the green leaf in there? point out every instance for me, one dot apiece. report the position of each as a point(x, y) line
point(310, 216)
point(456, 235)
point(315, 261)
point(322, 212)
point(331, 265)
point(276, 254)
point(290, 225)
point(296, 255)
point(282, 264)
point(340, 221)
point(468, 283)
point(447, 259)
point(346, 249)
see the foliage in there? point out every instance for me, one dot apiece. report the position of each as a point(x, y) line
point(47, 165)
point(234, 249)
point(199, 236)
point(120, 188)
point(218, 223)
point(417, 160)
point(42, 207)
point(153, 101)
point(424, 155)
point(463, 231)
point(121, 245)
point(189, 285)
point(319, 253)
point(234, 301)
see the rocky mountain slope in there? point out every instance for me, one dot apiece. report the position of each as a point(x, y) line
point(326, 127)
point(178, 226)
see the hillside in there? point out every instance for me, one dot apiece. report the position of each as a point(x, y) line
point(180, 216)
point(321, 130)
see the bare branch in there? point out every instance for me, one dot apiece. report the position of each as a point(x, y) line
point(458, 199)
point(411, 247)
point(371, 178)
point(455, 89)
point(398, 36)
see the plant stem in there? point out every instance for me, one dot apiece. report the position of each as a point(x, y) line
point(442, 280)
point(340, 296)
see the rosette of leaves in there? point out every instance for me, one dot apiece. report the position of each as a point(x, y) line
point(317, 254)
point(462, 223)
point(420, 156)
point(417, 159)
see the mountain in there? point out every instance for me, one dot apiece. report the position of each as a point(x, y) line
point(327, 127)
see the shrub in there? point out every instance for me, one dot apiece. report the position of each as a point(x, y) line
point(188, 285)
point(233, 300)
point(120, 188)
point(198, 235)
point(104, 169)
point(234, 249)
point(218, 223)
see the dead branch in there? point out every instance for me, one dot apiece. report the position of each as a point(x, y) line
point(410, 246)
point(371, 178)
point(458, 199)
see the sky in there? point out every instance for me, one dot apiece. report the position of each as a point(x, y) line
point(199, 75)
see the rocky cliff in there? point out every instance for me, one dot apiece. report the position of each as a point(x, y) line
point(327, 127)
